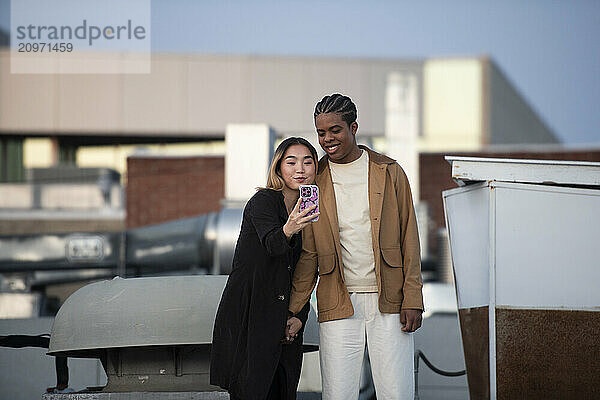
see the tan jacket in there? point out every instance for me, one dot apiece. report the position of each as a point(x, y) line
point(395, 246)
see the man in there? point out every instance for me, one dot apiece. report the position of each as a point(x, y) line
point(365, 251)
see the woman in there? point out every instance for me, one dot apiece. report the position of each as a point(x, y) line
point(253, 354)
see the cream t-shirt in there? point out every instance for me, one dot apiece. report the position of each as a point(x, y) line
point(351, 186)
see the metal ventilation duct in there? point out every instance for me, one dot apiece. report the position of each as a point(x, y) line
point(151, 334)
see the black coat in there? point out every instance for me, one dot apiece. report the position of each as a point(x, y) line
point(252, 315)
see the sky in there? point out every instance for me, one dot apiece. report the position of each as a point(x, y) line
point(549, 49)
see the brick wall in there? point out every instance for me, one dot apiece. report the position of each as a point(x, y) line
point(435, 174)
point(161, 189)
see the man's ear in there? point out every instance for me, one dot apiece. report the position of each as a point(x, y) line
point(354, 127)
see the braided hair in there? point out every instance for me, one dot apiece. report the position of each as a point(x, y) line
point(338, 104)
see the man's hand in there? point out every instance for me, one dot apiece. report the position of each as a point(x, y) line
point(410, 320)
point(291, 329)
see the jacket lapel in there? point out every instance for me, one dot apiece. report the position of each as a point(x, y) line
point(328, 203)
point(377, 172)
point(376, 188)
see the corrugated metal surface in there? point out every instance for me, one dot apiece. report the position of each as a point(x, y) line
point(158, 311)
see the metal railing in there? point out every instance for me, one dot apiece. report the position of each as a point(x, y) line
point(419, 354)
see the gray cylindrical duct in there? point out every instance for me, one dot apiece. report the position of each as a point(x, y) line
point(444, 259)
point(423, 223)
point(228, 227)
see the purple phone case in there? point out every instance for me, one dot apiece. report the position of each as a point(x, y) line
point(309, 195)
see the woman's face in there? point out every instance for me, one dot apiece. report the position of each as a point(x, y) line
point(297, 167)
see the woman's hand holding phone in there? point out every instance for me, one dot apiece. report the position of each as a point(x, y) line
point(297, 219)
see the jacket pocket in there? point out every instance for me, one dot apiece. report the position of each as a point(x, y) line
point(392, 256)
point(392, 274)
point(328, 293)
point(328, 287)
point(326, 264)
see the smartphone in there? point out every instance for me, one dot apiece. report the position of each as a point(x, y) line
point(309, 195)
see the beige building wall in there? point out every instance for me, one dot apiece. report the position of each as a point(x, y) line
point(194, 95)
point(115, 157)
point(38, 153)
point(452, 105)
point(463, 103)
point(468, 104)
point(28, 103)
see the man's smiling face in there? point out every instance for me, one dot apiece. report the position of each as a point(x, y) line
point(336, 138)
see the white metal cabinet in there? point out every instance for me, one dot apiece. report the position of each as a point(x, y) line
point(527, 275)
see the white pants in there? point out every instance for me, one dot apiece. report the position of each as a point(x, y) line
point(391, 352)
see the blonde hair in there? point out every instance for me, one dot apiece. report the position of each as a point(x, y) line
point(274, 179)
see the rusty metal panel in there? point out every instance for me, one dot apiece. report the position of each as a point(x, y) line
point(547, 354)
point(475, 336)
